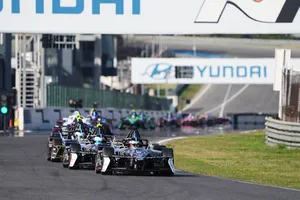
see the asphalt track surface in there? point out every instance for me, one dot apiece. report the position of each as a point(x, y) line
point(236, 98)
point(25, 174)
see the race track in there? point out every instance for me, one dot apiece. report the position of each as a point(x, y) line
point(222, 99)
point(26, 175)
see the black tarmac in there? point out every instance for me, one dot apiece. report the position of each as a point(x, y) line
point(26, 175)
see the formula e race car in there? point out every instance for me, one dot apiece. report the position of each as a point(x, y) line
point(135, 155)
point(190, 120)
point(169, 120)
point(58, 141)
point(55, 147)
point(146, 122)
point(217, 121)
point(70, 119)
point(131, 121)
point(82, 153)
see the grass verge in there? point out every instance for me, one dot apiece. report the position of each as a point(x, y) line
point(162, 89)
point(242, 157)
point(188, 93)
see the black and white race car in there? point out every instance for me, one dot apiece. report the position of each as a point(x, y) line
point(135, 155)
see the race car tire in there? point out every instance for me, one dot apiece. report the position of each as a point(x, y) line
point(159, 147)
point(97, 165)
point(152, 127)
point(108, 151)
point(99, 159)
point(76, 166)
point(65, 161)
point(55, 160)
point(57, 141)
point(75, 148)
point(167, 152)
point(107, 173)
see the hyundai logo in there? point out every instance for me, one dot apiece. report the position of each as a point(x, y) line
point(160, 71)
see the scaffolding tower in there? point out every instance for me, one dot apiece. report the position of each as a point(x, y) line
point(30, 76)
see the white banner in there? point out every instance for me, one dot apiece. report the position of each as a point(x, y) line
point(204, 70)
point(150, 16)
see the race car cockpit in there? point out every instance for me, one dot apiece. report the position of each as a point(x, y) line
point(94, 115)
point(79, 124)
point(134, 135)
point(133, 114)
point(169, 115)
point(143, 115)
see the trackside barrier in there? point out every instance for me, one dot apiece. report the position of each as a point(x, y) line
point(45, 119)
point(281, 132)
point(58, 96)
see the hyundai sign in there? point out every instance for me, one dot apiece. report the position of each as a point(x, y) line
point(204, 70)
point(150, 16)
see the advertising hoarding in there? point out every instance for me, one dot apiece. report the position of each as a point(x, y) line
point(150, 16)
point(204, 70)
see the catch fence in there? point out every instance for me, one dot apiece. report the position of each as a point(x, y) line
point(59, 96)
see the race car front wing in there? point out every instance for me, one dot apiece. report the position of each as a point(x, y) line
point(131, 164)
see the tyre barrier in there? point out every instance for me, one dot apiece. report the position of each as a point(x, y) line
point(45, 118)
point(282, 133)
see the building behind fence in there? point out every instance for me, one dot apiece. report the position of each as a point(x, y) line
point(290, 96)
point(59, 96)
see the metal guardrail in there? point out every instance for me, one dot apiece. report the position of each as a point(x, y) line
point(281, 132)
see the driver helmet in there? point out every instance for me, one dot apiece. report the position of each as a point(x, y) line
point(102, 120)
point(76, 113)
point(78, 135)
point(97, 140)
point(133, 112)
point(142, 113)
point(78, 117)
point(133, 144)
point(93, 112)
point(99, 125)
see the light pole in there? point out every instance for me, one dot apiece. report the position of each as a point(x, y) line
point(194, 46)
point(167, 77)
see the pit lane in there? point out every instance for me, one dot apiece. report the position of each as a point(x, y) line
point(25, 174)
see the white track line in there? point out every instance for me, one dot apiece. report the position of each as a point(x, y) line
point(225, 100)
point(255, 184)
point(198, 97)
point(170, 139)
point(229, 100)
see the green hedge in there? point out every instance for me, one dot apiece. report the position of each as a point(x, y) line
point(59, 96)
